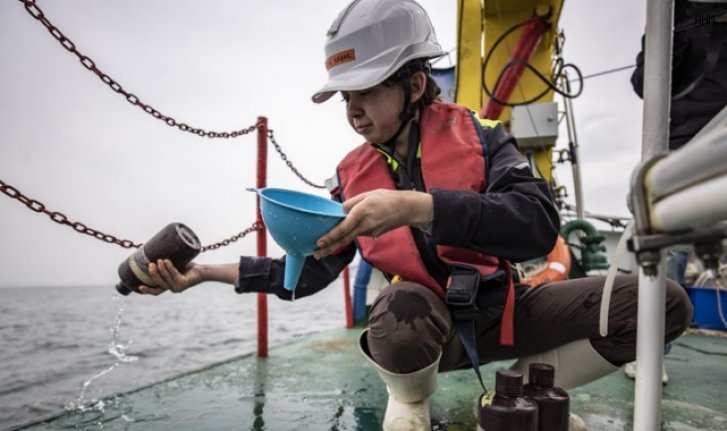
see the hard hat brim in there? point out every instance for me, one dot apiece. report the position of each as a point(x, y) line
point(347, 81)
point(322, 96)
point(356, 80)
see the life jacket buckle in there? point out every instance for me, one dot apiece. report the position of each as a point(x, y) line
point(460, 297)
point(461, 293)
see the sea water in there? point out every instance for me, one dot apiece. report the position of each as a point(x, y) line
point(67, 347)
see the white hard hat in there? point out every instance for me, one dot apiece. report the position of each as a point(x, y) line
point(372, 39)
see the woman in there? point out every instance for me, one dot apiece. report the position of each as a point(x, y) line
point(440, 202)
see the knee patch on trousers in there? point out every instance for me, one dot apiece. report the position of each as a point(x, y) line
point(408, 325)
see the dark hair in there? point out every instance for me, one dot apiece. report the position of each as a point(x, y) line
point(402, 77)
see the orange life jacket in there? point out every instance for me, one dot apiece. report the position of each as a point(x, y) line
point(453, 157)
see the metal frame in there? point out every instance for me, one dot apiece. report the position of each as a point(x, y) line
point(651, 236)
point(652, 288)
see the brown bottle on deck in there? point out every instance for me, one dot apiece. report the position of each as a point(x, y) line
point(509, 410)
point(553, 402)
point(175, 242)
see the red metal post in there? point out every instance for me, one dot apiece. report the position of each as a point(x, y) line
point(262, 246)
point(524, 49)
point(347, 297)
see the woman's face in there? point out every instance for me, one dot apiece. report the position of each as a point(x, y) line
point(374, 113)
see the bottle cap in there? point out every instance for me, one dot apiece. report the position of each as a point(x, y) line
point(509, 383)
point(188, 237)
point(123, 289)
point(541, 374)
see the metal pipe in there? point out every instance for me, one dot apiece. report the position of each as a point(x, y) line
point(692, 208)
point(650, 349)
point(639, 205)
point(575, 157)
point(657, 67)
point(701, 159)
point(651, 303)
point(262, 246)
point(526, 45)
point(573, 147)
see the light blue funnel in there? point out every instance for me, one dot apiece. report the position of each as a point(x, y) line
point(296, 220)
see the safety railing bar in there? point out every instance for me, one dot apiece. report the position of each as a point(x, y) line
point(700, 159)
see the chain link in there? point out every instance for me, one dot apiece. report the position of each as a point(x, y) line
point(289, 163)
point(89, 64)
point(254, 227)
point(61, 218)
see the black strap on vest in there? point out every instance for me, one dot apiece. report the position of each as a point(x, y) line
point(460, 298)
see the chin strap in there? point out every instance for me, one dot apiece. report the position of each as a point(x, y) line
point(406, 115)
point(390, 142)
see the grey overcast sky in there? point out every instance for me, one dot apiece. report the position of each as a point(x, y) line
point(71, 143)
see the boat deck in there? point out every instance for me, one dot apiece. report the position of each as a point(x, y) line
point(320, 383)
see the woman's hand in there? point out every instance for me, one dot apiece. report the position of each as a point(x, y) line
point(166, 276)
point(374, 213)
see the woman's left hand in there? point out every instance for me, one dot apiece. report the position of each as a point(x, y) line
point(168, 278)
point(374, 213)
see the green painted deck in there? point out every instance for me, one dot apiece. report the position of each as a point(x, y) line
point(321, 383)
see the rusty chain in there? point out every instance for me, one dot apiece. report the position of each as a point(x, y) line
point(89, 64)
point(255, 226)
point(61, 218)
point(289, 163)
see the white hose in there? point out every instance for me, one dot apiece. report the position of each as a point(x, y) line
point(719, 300)
point(610, 277)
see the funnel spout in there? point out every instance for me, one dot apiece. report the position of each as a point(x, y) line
point(293, 269)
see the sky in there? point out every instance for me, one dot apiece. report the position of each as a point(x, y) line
point(71, 143)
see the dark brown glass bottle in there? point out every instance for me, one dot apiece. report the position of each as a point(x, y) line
point(553, 402)
point(509, 411)
point(175, 242)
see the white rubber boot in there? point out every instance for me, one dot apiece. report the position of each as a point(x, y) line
point(576, 364)
point(630, 371)
point(576, 423)
point(408, 406)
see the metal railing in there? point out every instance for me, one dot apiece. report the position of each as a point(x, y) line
point(658, 220)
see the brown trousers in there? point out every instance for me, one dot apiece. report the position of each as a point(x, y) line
point(410, 325)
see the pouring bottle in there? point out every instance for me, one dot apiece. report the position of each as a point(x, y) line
point(175, 242)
